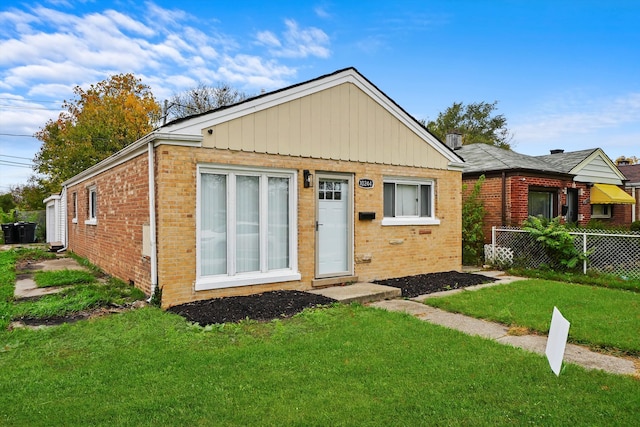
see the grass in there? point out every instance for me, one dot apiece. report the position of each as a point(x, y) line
point(64, 277)
point(83, 291)
point(595, 279)
point(78, 298)
point(601, 318)
point(345, 365)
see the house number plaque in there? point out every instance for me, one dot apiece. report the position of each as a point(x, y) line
point(365, 183)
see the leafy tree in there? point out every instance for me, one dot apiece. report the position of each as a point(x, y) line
point(29, 197)
point(622, 160)
point(202, 99)
point(7, 203)
point(477, 122)
point(102, 120)
point(473, 213)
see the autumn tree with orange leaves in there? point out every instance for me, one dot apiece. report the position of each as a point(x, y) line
point(101, 121)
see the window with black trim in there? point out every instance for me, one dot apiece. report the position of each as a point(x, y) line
point(601, 211)
point(542, 203)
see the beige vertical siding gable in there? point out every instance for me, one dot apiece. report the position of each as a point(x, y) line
point(338, 123)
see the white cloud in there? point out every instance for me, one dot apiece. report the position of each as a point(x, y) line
point(267, 38)
point(48, 50)
point(321, 12)
point(578, 117)
point(297, 42)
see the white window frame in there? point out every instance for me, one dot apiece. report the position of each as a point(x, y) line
point(413, 219)
point(601, 211)
point(231, 278)
point(75, 208)
point(92, 204)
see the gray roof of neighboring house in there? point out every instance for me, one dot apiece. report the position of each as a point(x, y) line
point(631, 172)
point(480, 158)
point(565, 162)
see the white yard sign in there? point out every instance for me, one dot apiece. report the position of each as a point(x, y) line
point(557, 341)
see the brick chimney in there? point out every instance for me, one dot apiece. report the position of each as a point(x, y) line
point(454, 140)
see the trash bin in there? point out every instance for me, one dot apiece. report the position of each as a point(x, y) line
point(26, 232)
point(10, 233)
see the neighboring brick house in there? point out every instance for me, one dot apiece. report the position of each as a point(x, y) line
point(609, 203)
point(324, 182)
point(632, 186)
point(560, 184)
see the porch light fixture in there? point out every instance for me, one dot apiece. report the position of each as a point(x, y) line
point(308, 178)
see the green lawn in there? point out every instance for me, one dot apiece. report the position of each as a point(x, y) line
point(66, 277)
point(342, 365)
point(83, 291)
point(345, 365)
point(599, 317)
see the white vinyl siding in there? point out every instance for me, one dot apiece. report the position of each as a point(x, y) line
point(246, 227)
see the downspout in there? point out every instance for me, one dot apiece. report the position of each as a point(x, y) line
point(504, 199)
point(633, 207)
point(152, 222)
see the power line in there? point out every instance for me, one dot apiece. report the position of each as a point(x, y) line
point(15, 157)
point(15, 164)
point(28, 100)
point(16, 134)
point(15, 107)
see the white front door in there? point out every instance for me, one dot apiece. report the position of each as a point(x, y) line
point(333, 226)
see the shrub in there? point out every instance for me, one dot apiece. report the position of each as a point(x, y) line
point(473, 213)
point(556, 241)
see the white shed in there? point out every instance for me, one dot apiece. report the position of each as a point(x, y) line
point(56, 210)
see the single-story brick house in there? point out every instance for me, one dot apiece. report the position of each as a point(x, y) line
point(324, 182)
point(632, 186)
point(577, 186)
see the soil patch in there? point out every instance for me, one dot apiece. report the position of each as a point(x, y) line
point(34, 322)
point(422, 284)
point(263, 307)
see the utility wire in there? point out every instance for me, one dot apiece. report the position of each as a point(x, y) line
point(17, 134)
point(15, 164)
point(15, 157)
point(27, 100)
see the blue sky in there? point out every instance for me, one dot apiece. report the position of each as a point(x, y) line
point(566, 74)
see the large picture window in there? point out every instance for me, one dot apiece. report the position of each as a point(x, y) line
point(247, 230)
point(408, 201)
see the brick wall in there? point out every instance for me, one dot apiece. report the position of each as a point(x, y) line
point(516, 204)
point(393, 250)
point(114, 243)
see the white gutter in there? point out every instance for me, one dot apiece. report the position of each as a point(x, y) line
point(152, 221)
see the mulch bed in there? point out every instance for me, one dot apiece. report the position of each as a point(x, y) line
point(277, 304)
point(281, 304)
point(423, 284)
point(265, 306)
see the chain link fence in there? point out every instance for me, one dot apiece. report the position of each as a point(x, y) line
point(607, 251)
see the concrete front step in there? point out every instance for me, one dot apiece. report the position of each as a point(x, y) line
point(360, 292)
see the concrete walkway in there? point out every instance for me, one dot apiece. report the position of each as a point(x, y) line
point(384, 298)
point(25, 285)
